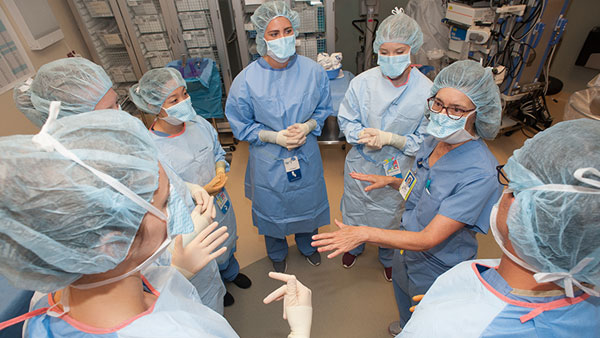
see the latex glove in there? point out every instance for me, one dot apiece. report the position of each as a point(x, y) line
point(201, 220)
point(297, 304)
point(199, 252)
point(416, 298)
point(298, 132)
point(282, 138)
point(216, 184)
point(200, 195)
point(376, 138)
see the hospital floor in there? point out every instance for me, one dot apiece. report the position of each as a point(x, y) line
point(355, 302)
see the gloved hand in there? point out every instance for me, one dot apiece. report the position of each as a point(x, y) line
point(282, 138)
point(216, 184)
point(200, 195)
point(416, 298)
point(199, 252)
point(201, 220)
point(297, 304)
point(376, 138)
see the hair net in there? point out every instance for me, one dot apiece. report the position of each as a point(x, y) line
point(478, 84)
point(554, 230)
point(154, 87)
point(267, 12)
point(59, 221)
point(399, 28)
point(77, 82)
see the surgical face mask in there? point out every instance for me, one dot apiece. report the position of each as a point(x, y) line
point(180, 113)
point(448, 130)
point(179, 220)
point(393, 66)
point(281, 49)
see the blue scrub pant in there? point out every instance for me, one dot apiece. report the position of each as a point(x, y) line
point(230, 268)
point(412, 274)
point(385, 255)
point(277, 248)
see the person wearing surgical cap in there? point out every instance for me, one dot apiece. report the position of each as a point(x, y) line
point(191, 146)
point(449, 190)
point(547, 224)
point(278, 104)
point(80, 85)
point(382, 116)
point(83, 86)
point(84, 224)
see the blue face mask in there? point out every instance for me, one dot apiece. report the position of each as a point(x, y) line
point(393, 66)
point(179, 220)
point(181, 112)
point(281, 49)
point(448, 130)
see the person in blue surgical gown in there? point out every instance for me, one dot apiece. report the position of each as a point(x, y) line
point(382, 116)
point(547, 223)
point(82, 86)
point(278, 104)
point(449, 191)
point(191, 146)
point(84, 223)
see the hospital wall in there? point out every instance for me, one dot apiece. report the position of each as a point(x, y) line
point(13, 121)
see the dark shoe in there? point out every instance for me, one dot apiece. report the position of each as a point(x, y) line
point(228, 299)
point(242, 281)
point(387, 273)
point(348, 260)
point(314, 259)
point(280, 266)
point(394, 329)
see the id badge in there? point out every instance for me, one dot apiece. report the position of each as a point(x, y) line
point(392, 168)
point(407, 185)
point(292, 168)
point(222, 202)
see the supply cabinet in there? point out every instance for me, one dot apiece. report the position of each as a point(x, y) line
point(317, 27)
point(130, 37)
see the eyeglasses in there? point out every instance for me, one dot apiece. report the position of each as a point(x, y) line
point(502, 179)
point(453, 112)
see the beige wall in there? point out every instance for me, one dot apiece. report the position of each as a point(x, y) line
point(13, 121)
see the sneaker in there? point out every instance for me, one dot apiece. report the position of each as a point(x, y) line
point(394, 329)
point(228, 299)
point(280, 266)
point(314, 259)
point(348, 260)
point(242, 281)
point(387, 273)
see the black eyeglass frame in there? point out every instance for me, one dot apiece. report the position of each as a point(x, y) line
point(431, 101)
point(501, 176)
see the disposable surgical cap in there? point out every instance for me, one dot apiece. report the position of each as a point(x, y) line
point(550, 229)
point(59, 221)
point(478, 84)
point(154, 87)
point(399, 28)
point(267, 12)
point(77, 82)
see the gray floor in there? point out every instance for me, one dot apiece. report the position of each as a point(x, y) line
point(336, 295)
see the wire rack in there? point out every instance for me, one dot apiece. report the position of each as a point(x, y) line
point(193, 20)
point(199, 38)
point(98, 8)
point(155, 42)
point(191, 5)
point(149, 23)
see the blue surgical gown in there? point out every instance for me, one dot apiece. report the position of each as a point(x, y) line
point(462, 185)
point(372, 101)
point(473, 300)
point(193, 154)
point(207, 281)
point(177, 312)
point(264, 98)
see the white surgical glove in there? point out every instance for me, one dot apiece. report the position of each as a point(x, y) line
point(199, 194)
point(376, 138)
point(199, 252)
point(282, 138)
point(297, 132)
point(297, 304)
point(201, 220)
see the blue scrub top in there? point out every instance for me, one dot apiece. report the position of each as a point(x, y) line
point(462, 185)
